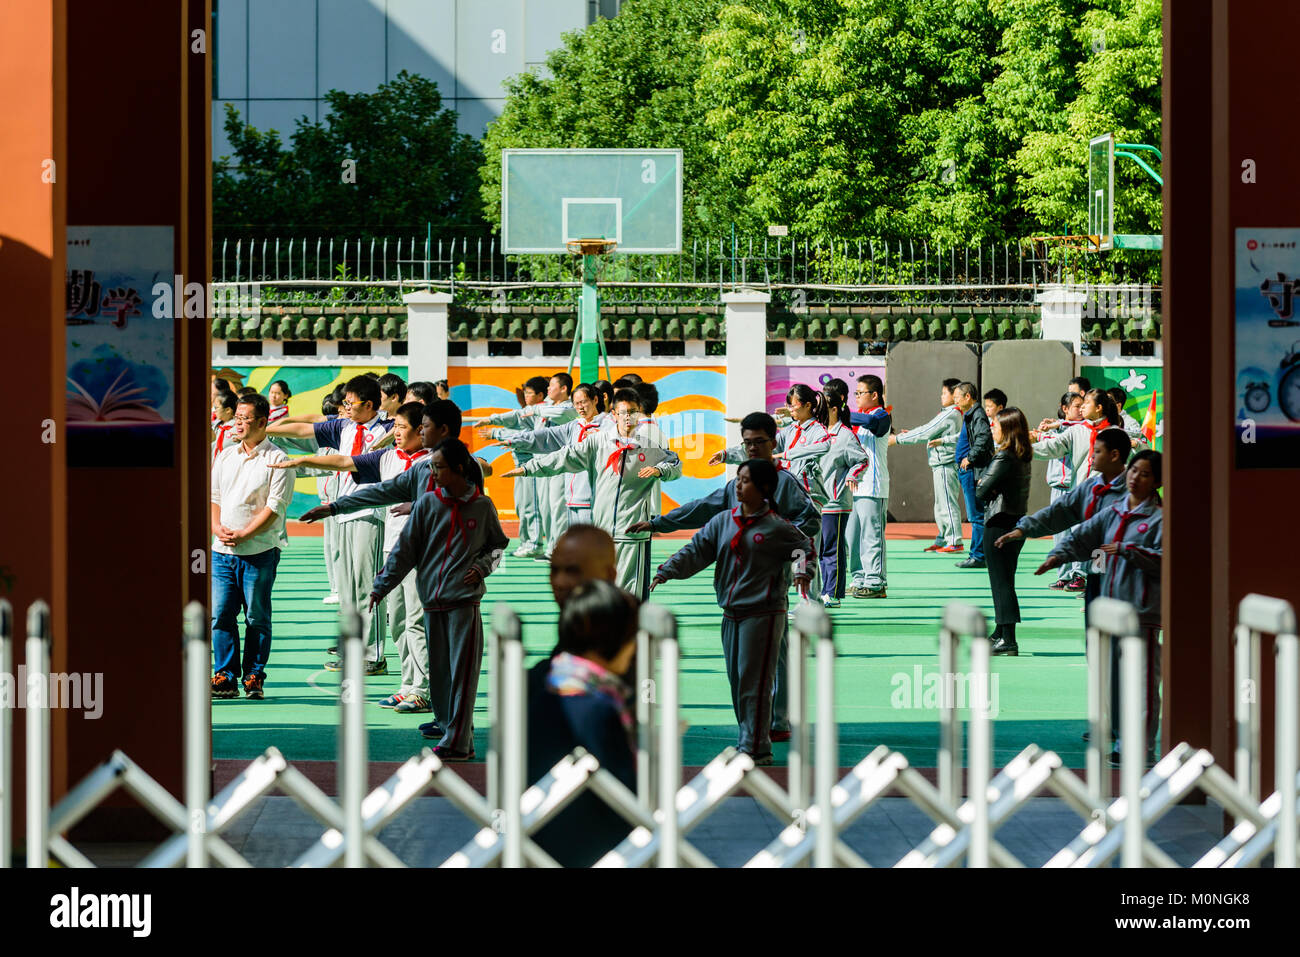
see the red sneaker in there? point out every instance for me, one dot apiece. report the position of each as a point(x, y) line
point(932, 548)
point(952, 548)
point(780, 736)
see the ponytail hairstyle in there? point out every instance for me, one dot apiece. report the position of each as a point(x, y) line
point(807, 394)
point(1107, 406)
point(764, 474)
point(456, 454)
point(593, 393)
point(836, 393)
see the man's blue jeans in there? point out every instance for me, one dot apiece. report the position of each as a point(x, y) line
point(242, 581)
point(974, 511)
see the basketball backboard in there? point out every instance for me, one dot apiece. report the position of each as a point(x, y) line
point(550, 197)
point(1101, 189)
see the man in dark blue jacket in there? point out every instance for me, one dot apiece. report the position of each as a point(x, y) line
point(973, 454)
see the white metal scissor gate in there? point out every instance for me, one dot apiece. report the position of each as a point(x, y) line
point(662, 813)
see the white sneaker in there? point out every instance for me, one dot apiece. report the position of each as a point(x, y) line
point(330, 600)
point(522, 552)
point(830, 602)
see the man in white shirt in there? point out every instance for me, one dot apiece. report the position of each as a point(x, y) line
point(249, 501)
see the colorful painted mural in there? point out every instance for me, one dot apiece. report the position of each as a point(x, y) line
point(1139, 383)
point(780, 378)
point(691, 407)
point(309, 386)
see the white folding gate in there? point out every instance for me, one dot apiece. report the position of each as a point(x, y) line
point(663, 811)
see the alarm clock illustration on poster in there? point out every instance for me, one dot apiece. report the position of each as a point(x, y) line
point(1288, 384)
point(1253, 388)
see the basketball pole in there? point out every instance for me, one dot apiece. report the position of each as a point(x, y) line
point(589, 343)
point(589, 350)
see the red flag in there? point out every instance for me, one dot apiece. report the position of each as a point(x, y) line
point(1149, 422)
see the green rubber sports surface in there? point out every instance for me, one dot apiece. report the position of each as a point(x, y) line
point(886, 673)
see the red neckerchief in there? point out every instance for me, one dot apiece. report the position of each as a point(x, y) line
point(744, 521)
point(409, 458)
point(585, 427)
point(613, 461)
point(1098, 490)
point(1125, 519)
point(798, 434)
point(1092, 439)
point(457, 525)
point(221, 436)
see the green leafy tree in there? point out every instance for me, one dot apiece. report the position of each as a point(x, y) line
point(388, 158)
point(1069, 71)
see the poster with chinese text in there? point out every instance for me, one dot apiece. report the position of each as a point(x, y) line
point(121, 364)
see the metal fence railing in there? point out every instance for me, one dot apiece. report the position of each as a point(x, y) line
point(663, 812)
point(375, 269)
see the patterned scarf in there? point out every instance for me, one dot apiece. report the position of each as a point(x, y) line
point(571, 675)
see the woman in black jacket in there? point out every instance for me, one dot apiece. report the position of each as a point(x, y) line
point(580, 698)
point(1004, 493)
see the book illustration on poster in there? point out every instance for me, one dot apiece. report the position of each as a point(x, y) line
point(121, 347)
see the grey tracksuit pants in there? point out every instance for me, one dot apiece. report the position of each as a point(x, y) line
point(866, 536)
point(634, 567)
point(749, 646)
point(406, 625)
point(579, 516)
point(947, 504)
point(330, 543)
point(455, 658)
point(360, 559)
point(530, 531)
point(555, 509)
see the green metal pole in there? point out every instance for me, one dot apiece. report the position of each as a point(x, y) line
point(589, 323)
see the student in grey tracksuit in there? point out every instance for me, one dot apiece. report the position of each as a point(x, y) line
point(840, 461)
point(528, 500)
point(870, 499)
point(454, 540)
point(623, 496)
point(1125, 538)
point(944, 428)
point(577, 485)
point(752, 556)
point(552, 504)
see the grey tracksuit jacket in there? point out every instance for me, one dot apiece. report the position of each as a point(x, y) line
point(1133, 574)
point(442, 540)
point(1076, 505)
point(792, 501)
point(946, 425)
point(407, 487)
point(577, 485)
point(621, 497)
point(838, 460)
point(802, 443)
point(752, 558)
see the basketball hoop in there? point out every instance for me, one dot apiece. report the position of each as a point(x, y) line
point(590, 247)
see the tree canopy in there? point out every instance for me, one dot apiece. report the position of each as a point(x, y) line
point(388, 158)
point(959, 119)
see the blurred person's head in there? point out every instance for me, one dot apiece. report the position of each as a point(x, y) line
point(583, 553)
point(599, 623)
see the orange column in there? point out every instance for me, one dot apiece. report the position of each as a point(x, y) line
point(33, 190)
